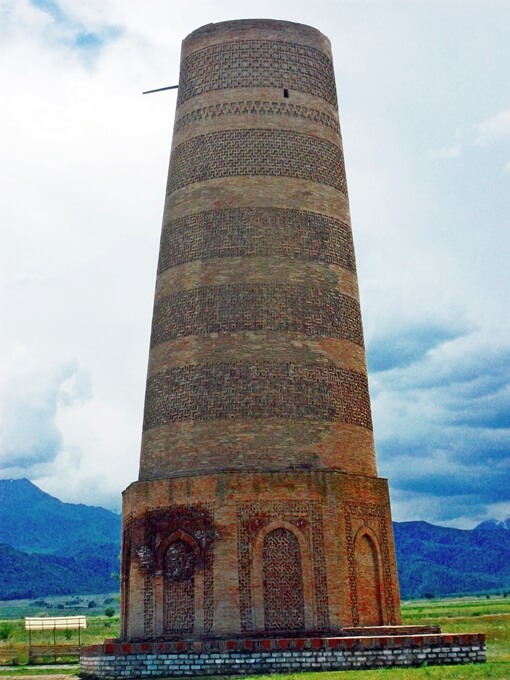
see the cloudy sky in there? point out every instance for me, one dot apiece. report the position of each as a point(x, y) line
point(424, 94)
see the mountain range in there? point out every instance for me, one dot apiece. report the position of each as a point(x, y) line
point(48, 547)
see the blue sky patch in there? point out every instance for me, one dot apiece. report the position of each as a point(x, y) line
point(73, 33)
point(405, 346)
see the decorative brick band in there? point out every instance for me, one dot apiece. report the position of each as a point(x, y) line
point(288, 391)
point(246, 232)
point(284, 655)
point(257, 63)
point(246, 348)
point(257, 108)
point(251, 191)
point(258, 307)
point(277, 153)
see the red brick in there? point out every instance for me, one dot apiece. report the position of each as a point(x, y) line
point(257, 443)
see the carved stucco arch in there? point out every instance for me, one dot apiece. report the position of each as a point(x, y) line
point(258, 587)
point(365, 531)
point(178, 535)
point(159, 581)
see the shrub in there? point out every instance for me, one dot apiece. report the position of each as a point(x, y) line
point(6, 630)
point(109, 611)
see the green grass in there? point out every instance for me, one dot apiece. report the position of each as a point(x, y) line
point(39, 671)
point(98, 628)
point(59, 605)
point(460, 615)
point(468, 615)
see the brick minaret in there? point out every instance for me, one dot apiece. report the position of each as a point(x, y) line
point(258, 510)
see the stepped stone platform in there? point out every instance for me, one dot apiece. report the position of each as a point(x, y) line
point(400, 646)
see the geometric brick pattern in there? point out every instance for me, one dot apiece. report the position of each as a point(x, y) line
point(248, 232)
point(306, 517)
point(257, 403)
point(372, 516)
point(175, 565)
point(259, 152)
point(148, 605)
point(319, 566)
point(282, 390)
point(258, 533)
point(179, 588)
point(257, 307)
point(257, 63)
point(283, 582)
point(259, 108)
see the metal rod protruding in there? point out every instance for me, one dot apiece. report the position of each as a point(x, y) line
point(160, 89)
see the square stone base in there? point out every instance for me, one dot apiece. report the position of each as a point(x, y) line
point(250, 656)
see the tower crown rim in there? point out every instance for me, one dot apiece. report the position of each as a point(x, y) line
point(284, 30)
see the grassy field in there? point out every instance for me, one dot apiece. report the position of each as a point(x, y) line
point(59, 605)
point(489, 616)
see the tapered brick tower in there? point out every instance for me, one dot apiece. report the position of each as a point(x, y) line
point(258, 509)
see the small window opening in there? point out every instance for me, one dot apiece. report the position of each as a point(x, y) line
point(286, 93)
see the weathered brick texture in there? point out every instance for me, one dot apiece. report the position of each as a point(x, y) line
point(277, 153)
point(269, 109)
point(257, 63)
point(256, 232)
point(228, 520)
point(257, 104)
point(283, 390)
point(258, 510)
point(257, 307)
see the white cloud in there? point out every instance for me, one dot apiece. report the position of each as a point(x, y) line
point(29, 404)
point(493, 129)
point(83, 170)
point(445, 152)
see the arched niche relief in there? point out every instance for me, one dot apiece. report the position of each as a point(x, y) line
point(282, 580)
point(179, 586)
point(368, 571)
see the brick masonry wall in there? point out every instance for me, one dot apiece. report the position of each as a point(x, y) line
point(277, 153)
point(282, 390)
point(227, 519)
point(256, 307)
point(259, 232)
point(258, 267)
point(249, 107)
point(257, 63)
point(239, 657)
point(258, 508)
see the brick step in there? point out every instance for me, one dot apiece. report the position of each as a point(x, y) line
point(282, 655)
point(398, 639)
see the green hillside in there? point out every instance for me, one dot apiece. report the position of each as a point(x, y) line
point(35, 522)
point(24, 575)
